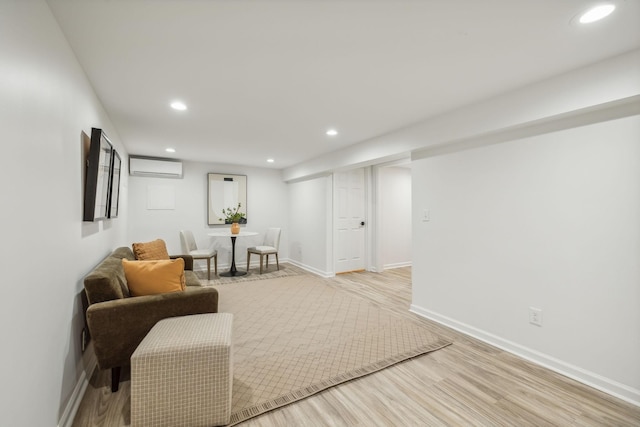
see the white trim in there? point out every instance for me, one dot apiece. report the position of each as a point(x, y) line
point(375, 262)
point(325, 274)
point(70, 410)
point(397, 265)
point(609, 386)
point(329, 262)
point(369, 220)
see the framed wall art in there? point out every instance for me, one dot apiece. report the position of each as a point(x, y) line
point(114, 188)
point(226, 192)
point(96, 190)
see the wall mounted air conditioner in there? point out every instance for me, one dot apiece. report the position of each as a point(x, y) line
point(155, 166)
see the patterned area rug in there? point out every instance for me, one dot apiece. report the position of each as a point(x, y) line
point(254, 274)
point(296, 336)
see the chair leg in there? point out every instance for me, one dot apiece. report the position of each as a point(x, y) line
point(266, 267)
point(248, 260)
point(261, 257)
point(277, 263)
point(215, 263)
point(208, 268)
point(115, 378)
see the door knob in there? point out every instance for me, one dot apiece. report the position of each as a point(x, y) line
point(362, 223)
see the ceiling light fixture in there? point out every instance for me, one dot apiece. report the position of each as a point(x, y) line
point(332, 132)
point(178, 105)
point(170, 150)
point(270, 160)
point(597, 13)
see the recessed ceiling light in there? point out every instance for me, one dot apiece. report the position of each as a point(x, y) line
point(178, 105)
point(170, 150)
point(270, 160)
point(332, 132)
point(597, 13)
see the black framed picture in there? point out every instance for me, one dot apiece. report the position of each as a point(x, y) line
point(97, 184)
point(114, 188)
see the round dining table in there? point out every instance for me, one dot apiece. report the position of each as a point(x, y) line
point(233, 271)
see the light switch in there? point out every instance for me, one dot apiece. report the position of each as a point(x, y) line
point(425, 215)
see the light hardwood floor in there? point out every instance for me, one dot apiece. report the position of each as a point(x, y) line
point(468, 383)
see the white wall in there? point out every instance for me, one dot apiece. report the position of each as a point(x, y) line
point(267, 201)
point(46, 103)
point(310, 210)
point(550, 221)
point(394, 198)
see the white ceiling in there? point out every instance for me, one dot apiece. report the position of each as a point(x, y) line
point(267, 78)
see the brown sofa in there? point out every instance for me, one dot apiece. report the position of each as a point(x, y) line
point(118, 322)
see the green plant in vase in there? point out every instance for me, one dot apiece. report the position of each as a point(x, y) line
point(231, 216)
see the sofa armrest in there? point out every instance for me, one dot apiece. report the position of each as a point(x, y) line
point(188, 261)
point(117, 327)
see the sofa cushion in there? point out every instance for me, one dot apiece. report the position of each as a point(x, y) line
point(153, 277)
point(192, 279)
point(106, 281)
point(153, 250)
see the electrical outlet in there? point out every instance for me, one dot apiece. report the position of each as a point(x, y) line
point(535, 316)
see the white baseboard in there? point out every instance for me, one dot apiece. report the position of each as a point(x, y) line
point(69, 414)
point(325, 274)
point(397, 265)
point(609, 386)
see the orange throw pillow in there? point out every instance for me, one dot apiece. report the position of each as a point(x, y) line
point(155, 249)
point(154, 277)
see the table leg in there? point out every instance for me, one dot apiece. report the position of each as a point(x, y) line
point(233, 271)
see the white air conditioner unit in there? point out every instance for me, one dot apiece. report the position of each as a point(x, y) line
point(155, 166)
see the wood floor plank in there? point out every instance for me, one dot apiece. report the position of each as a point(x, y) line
point(467, 383)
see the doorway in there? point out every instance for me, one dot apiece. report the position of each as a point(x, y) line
point(349, 214)
point(372, 225)
point(393, 216)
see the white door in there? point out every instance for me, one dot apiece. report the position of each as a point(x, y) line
point(349, 220)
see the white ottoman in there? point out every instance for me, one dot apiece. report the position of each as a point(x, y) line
point(182, 373)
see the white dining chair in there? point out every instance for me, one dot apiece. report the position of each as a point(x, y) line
point(189, 247)
point(268, 247)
